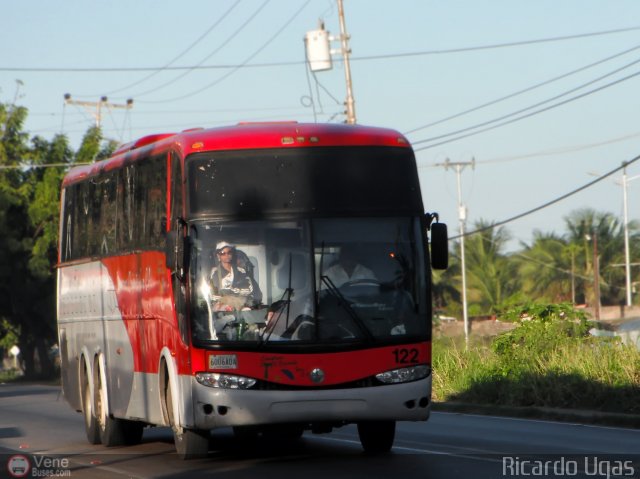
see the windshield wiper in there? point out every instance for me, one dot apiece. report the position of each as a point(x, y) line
point(342, 301)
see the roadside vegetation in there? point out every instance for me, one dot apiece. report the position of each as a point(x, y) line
point(31, 170)
point(549, 360)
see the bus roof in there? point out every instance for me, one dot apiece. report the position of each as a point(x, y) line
point(243, 136)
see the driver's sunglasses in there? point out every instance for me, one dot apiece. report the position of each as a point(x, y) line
point(224, 253)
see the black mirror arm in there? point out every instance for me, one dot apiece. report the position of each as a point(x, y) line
point(430, 217)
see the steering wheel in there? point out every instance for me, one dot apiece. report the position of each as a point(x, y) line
point(361, 282)
point(361, 288)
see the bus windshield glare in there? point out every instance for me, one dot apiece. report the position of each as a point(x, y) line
point(316, 280)
point(320, 181)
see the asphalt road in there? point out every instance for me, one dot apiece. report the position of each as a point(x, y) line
point(36, 422)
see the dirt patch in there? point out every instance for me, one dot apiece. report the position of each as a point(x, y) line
point(477, 327)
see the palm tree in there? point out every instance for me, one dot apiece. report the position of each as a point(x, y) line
point(599, 235)
point(547, 268)
point(492, 277)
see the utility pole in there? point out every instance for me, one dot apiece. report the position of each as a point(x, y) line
point(346, 51)
point(593, 236)
point(462, 217)
point(627, 261)
point(625, 209)
point(95, 107)
point(319, 56)
point(627, 256)
point(596, 275)
point(573, 277)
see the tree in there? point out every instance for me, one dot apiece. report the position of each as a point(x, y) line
point(21, 305)
point(545, 268)
point(491, 275)
point(586, 228)
point(29, 217)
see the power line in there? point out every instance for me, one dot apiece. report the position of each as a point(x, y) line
point(522, 117)
point(248, 59)
point(216, 50)
point(525, 90)
point(182, 53)
point(548, 100)
point(296, 63)
point(188, 112)
point(555, 151)
point(550, 203)
point(497, 45)
point(568, 149)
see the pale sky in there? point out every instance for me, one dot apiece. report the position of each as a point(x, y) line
point(418, 66)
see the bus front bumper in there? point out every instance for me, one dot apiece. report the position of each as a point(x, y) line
point(214, 407)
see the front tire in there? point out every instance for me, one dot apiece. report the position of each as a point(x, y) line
point(190, 443)
point(377, 437)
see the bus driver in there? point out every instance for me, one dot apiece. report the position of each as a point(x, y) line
point(233, 288)
point(347, 268)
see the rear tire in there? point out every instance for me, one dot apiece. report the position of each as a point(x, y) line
point(110, 430)
point(91, 426)
point(113, 431)
point(377, 437)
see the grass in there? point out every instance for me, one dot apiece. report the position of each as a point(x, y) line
point(539, 367)
point(8, 375)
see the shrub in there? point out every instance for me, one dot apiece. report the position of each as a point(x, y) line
point(548, 360)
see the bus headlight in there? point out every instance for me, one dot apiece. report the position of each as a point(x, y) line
point(225, 381)
point(404, 375)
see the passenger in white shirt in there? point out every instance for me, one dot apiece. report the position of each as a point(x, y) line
point(347, 268)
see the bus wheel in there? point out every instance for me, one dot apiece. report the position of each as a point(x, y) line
point(377, 437)
point(91, 425)
point(191, 443)
point(112, 430)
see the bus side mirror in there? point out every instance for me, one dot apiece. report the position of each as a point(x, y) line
point(439, 246)
point(177, 253)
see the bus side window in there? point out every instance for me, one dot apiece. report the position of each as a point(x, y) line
point(156, 186)
point(150, 195)
point(106, 193)
point(125, 216)
point(81, 210)
point(176, 190)
point(67, 236)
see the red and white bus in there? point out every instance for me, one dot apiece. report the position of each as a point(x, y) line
point(151, 333)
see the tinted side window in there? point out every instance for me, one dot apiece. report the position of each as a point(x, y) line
point(125, 205)
point(107, 206)
point(116, 212)
point(151, 195)
point(67, 233)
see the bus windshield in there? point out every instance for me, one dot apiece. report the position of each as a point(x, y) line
point(351, 280)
